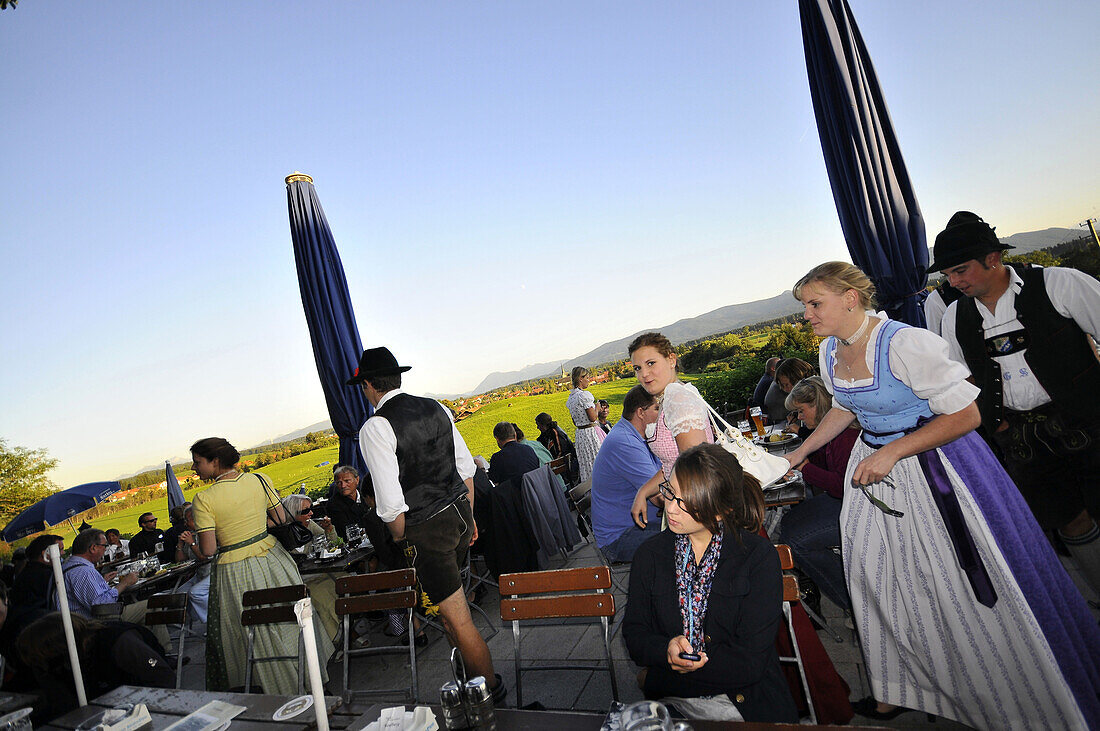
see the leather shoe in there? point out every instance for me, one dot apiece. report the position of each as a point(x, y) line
point(868, 708)
point(499, 691)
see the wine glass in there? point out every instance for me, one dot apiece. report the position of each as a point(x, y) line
point(646, 716)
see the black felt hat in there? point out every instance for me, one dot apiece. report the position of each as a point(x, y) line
point(966, 237)
point(376, 362)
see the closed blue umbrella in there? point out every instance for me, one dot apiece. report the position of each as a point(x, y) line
point(878, 209)
point(175, 494)
point(61, 505)
point(329, 315)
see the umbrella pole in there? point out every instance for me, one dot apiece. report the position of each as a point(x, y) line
point(303, 609)
point(66, 619)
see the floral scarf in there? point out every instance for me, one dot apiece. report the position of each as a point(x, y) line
point(693, 586)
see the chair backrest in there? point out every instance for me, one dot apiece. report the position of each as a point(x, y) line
point(522, 606)
point(790, 582)
point(560, 466)
point(258, 609)
point(355, 597)
point(166, 609)
point(526, 601)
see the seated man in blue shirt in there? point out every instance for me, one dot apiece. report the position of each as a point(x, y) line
point(623, 465)
point(86, 587)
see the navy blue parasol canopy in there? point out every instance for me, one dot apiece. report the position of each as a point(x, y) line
point(878, 209)
point(175, 493)
point(61, 505)
point(329, 315)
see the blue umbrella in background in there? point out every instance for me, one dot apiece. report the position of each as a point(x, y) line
point(61, 505)
point(175, 494)
point(878, 209)
point(329, 315)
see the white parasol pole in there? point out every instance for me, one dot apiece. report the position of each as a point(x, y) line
point(303, 609)
point(54, 552)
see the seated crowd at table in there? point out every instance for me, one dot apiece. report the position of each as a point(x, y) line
point(911, 525)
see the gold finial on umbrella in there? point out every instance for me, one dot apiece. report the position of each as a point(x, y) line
point(296, 177)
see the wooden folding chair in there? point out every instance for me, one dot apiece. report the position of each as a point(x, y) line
point(272, 606)
point(379, 592)
point(561, 466)
point(580, 500)
point(521, 604)
point(170, 609)
point(791, 595)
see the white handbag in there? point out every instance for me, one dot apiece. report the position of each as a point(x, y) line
point(757, 461)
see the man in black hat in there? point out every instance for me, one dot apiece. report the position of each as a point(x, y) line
point(1023, 332)
point(424, 492)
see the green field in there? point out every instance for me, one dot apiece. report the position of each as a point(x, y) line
point(287, 475)
point(290, 474)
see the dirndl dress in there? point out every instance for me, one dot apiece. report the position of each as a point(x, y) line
point(226, 647)
point(962, 607)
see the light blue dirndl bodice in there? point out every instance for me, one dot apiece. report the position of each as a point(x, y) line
point(886, 407)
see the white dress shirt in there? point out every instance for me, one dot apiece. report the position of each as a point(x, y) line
point(1074, 294)
point(379, 446)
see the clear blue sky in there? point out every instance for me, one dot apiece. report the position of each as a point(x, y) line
point(508, 183)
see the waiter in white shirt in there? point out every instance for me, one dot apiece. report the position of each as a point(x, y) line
point(1024, 333)
point(422, 473)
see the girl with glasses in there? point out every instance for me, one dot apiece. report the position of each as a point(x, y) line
point(706, 597)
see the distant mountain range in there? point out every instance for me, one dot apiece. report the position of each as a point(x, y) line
point(724, 319)
point(731, 317)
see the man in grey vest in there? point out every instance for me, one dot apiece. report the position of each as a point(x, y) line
point(422, 473)
point(1024, 333)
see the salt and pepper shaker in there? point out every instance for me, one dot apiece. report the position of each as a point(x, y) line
point(479, 704)
point(454, 707)
point(466, 703)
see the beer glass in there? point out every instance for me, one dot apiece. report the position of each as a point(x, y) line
point(757, 417)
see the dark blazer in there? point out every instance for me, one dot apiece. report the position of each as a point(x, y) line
point(743, 615)
point(512, 461)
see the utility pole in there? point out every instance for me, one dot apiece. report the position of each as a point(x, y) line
point(1091, 224)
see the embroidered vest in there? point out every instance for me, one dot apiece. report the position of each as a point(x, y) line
point(1058, 353)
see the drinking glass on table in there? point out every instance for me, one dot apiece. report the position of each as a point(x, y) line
point(745, 428)
point(757, 416)
point(646, 716)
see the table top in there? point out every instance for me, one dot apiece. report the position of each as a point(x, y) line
point(168, 705)
point(14, 701)
point(511, 719)
point(342, 563)
point(145, 588)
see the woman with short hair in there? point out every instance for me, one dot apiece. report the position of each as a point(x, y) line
point(812, 528)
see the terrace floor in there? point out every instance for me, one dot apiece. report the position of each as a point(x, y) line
point(558, 643)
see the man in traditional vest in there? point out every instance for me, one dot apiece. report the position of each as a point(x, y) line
point(423, 474)
point(1023, 332)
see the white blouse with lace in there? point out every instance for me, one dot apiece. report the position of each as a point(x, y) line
point(683, 408)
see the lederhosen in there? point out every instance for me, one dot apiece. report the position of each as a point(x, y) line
point(1052, 452)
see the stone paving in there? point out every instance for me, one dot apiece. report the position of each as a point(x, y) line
point(561, 642)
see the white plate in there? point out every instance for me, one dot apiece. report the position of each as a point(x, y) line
point(765, 443)
point(293, 707)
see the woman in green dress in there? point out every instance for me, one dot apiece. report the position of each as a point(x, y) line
point(231, 519)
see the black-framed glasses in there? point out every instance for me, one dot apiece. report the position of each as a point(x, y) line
point(103, 545)
point(149, 520)
point(665, 488)
point(305, 511)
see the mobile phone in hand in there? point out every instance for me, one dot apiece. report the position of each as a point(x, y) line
point(694, 657)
